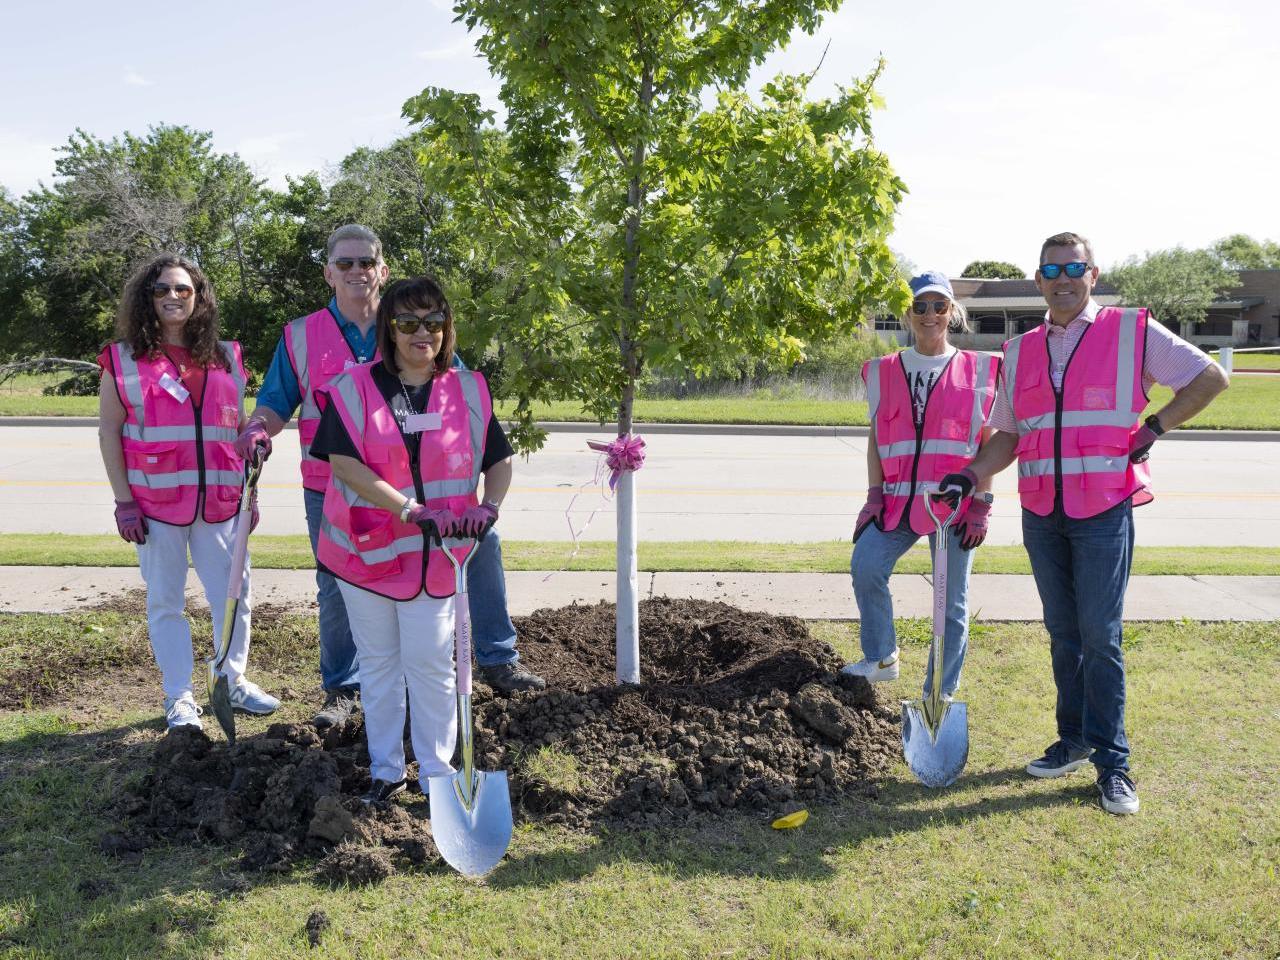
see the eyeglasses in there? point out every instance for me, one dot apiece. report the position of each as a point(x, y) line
point(921, 307)
point(179, 290)
point(346, 263)
point(1075, 269)
point(408, 323)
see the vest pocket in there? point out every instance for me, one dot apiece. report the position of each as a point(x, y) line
point(157, 462)
point(373, 538)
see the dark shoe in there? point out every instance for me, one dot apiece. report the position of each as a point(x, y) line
point(511, 678)
point(1059, 760)
point(384, 790)
point(339, 707)
point(1119, 795)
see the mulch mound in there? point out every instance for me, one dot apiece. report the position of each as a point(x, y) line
point(739, 712)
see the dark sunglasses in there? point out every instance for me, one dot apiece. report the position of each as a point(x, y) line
point(179, 290)
point(921, 307)
point(346, 263)
point(408, 323)
point(1075, 269)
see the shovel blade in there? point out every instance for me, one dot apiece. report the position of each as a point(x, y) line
point(472, 838)
point(220, 704)
point(936, 756)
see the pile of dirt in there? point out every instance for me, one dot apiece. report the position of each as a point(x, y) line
point(738, 712)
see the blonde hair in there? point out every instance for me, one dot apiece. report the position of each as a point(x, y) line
point(957, 321)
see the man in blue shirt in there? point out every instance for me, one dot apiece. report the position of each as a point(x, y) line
point(312, 350)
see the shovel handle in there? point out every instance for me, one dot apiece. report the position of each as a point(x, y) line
point(462, 641)
point(243, 521)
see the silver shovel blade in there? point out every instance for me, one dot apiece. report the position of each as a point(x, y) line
point(220, 703)
point(471, 838)
point(936, 757)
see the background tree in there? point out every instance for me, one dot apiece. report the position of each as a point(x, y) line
point(1241, 252)
point(624, 224)
point(993, 270)
point(1178, 285)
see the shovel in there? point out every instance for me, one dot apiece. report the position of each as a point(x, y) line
point(935, 730)
point(219, 687)
point(470, 809)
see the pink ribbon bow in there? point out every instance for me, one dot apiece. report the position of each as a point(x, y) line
point(621, 454)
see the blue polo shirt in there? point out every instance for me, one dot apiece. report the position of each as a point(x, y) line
point(280, 391)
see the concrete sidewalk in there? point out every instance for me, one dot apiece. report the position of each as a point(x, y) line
point(825, 596)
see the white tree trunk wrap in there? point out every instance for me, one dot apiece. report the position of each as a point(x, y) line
point(628, 629)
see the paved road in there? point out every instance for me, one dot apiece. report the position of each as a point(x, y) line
point(694, 486)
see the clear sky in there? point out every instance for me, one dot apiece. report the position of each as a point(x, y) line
point(1142, 124)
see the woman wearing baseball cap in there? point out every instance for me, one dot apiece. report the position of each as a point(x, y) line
point(928, 407)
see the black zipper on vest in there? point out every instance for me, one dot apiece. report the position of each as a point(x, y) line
point(1057, 413)
point(197, 406)
point(924, 416)
point(413, 447)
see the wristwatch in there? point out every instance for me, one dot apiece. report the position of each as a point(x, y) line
point(986, 497)
point(1152, 423)
point(404, 511)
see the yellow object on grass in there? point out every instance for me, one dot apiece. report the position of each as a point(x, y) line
point(791, 820)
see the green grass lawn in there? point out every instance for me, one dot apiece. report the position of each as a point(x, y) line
point(294, 553)
point(1256, 361)
point(999, 865)
point(1252, 403)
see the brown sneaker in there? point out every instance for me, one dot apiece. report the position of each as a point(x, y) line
point(511, 678)
point(339, 707)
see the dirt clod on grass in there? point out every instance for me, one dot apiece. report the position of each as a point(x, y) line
point(317, 924)
point(738, 711)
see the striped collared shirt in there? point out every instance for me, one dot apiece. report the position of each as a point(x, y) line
point(1168, 360)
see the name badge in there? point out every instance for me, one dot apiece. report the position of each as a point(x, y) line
point(419, 422)
point(173, 388)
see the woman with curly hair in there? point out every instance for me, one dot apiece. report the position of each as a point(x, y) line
point(170, 404)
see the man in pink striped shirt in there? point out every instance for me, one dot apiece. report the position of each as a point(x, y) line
point(1079, 531)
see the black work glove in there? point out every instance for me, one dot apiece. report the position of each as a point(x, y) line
point(954, 487)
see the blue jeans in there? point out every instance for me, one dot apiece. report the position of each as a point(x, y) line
point(493, 633)
point(1081, 569)
point(338, 667)
point(874, 557)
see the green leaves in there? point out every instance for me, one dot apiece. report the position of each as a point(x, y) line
point(1178, 284)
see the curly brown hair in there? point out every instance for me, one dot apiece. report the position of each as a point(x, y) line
point(138, 325)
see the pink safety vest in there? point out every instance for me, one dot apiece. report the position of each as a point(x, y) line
point(318, 352)
point(954, 415)
point(367, 545)
point(1082, 433)
point(178, 454)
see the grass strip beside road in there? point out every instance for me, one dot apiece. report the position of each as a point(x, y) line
point(693, 556)
point(1000, 865)
point(1252, 403)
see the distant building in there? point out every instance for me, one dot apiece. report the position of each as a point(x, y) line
point(1247, 316)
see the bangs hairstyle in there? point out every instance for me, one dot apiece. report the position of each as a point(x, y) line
point(957, 320)
point(138, 324)
point(1067, 240)
point(417, 293)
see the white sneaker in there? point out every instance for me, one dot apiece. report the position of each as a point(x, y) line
point(248, 697)
point(875, 671)
point(182, 712)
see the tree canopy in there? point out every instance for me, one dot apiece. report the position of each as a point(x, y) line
point(993, 270)
point(1241, 252)
point(1178, 284)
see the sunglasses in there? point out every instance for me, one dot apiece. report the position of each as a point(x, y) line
point(1075, 269)
point(179, 290)
point(922, 307)
point(408, 323)
point(346, 263)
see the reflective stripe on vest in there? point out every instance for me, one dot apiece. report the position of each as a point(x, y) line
point(314, 344)
point(955, 413)
point(1101, 401)
point(167, 474)
point(366, 544)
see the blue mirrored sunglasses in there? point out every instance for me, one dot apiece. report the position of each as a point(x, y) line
point(1075, 269)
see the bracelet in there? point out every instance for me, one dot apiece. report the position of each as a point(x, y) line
point(497, 507)
point(409, 504)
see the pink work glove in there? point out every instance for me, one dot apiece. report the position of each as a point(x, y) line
point(130, 522)
point(1140, 444)
point(973, 527)
point(254, 438)
point(872, 511)
point(476, 521)
point(436, 524)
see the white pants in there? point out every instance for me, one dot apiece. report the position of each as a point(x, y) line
point(163, 559)
point(405, 643)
